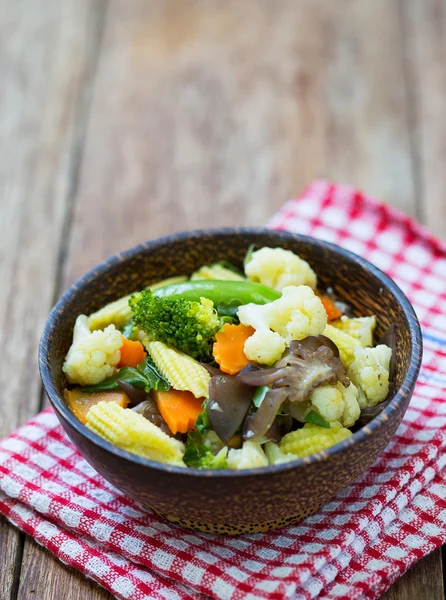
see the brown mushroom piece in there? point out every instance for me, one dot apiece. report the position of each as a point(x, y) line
point(306, 365)
point(259, 423)
point(229, 400)
point(149, 410)
point(135, 394)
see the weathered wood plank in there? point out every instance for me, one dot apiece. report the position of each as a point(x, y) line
point(11, 542)
point(423, 580)
point(42, 59)
point(367, 102)
point(44, 578)
point(205, 115)
point(424, 26)
point(208, 114)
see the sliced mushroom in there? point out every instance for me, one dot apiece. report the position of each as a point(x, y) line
point(135, 394)
point(149, 410)
point(257, 424)
point(228, 404)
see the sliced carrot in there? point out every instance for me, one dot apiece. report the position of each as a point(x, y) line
point(330, 307)
point(132, 353)
point(179, 409)
point(80, 402)
point(228, 347)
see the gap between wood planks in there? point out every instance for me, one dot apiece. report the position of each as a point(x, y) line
point(83, 101)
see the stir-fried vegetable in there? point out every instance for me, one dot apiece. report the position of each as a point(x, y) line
point(244, 368)
point(361, 328)
point(188, 325)
point(179, 409)
point(205, 451)
point(132, 432)
point(93, 355)
point(306, 365)
point(331, 309)
point(229, 346)
point(227, 296)
point(222, 270)
point(132, 353)
point(278, 268)
point(313, 438)
point(296, 315)
point(181, 371)
point(80, 402)
point(145, 375)
point(229, 401)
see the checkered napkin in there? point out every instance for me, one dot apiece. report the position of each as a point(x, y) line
point(354, 547)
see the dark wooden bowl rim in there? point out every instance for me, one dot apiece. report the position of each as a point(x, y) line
point(405, 388)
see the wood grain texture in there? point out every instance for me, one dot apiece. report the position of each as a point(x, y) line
point(37, 107)
point(40, 579)
point(203, 114)
point(425, 31)
point(42, 61)
point(211, 113)
point(11, 543)
point(423, 581)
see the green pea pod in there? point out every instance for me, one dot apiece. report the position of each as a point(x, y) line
point(227, 296)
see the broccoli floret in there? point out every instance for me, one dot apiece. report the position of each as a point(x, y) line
point(205, 451)
point(186, 325)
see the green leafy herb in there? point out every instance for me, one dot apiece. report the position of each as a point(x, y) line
point(248, 255)
point(145, 375)
point(203, 424)
point(154, 379)
point(200, 451)
point(316, 419)
point(259, 395)
point(228, 265)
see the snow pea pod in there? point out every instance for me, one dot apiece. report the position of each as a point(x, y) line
point(227, 296)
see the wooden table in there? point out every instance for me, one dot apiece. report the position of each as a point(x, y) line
point(121, 121)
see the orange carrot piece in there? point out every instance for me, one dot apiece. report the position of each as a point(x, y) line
point(179, 409)
point(132, 353)
point(330, 307)
point(80, 402)
point(228, 347)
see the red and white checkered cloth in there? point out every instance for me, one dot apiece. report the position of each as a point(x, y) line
point(354, 547)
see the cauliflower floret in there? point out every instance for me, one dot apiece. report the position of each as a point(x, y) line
point(297, 314)
point(352, 409)
point(92, 356)
point(278, 268)
point(337, 403)
point(360, 328)
point(370, 372)
point(249, 456)
point(264, 346)
point(328, 402)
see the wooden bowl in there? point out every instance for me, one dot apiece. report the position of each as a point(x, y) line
point(234, 502)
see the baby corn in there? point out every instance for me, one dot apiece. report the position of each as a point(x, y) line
point(132, 432)
point(312, 438)
point(181, 371)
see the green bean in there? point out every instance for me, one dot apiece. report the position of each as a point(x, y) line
point(227, 296)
